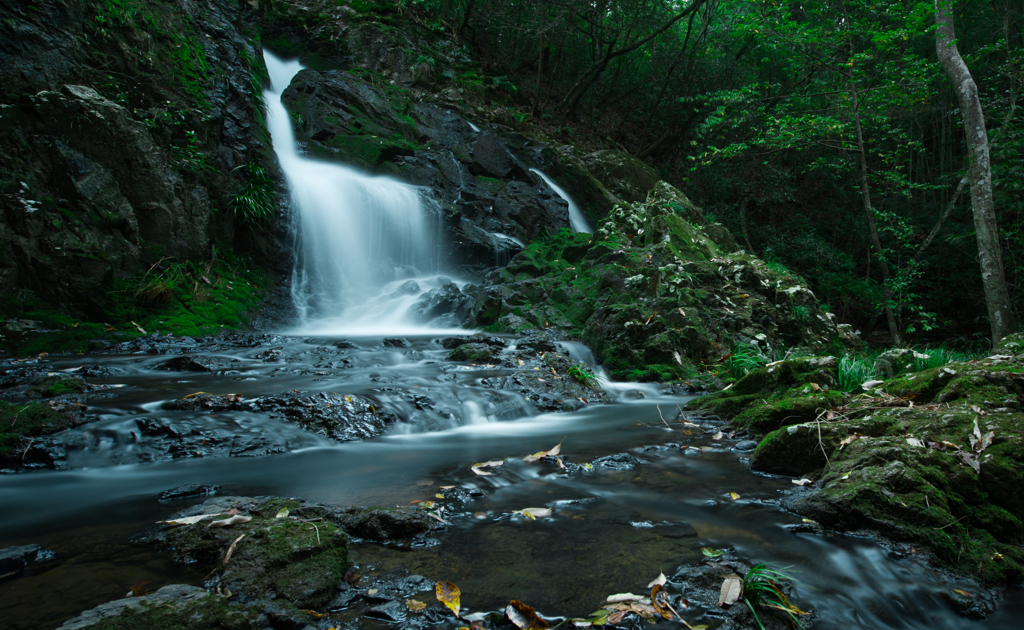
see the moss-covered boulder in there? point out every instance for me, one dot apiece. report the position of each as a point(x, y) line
point(652, 293)
point(173, 606)
point(934, 458)
point(23, 431)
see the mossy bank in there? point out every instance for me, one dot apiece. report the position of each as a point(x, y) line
point(934, 458)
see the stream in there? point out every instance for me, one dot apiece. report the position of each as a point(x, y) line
point(611, 530)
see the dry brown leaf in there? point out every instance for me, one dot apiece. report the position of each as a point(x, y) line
point(623, 597)
point(237, 519)
point(659, 600)
point(554, 452)
point(616, 617)
point(231, 549)
point(415, 605)
point(732, 590)
point(478, 468)
point(848, 440)
point(449, 595)
point(534, 513)
point(190, 520)
point(661, 580)
point(524, 616)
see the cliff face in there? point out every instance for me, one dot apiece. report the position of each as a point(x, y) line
point(126, 128)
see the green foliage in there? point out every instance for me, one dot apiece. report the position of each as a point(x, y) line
point(583, 374)
point(255, 203)
point(854, 370)
point(765, 588)
point(744, 359)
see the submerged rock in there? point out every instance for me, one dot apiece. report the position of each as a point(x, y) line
point(14, 559)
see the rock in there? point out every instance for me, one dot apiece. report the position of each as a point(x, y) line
point(619, 461)
point(42, 384)
point(395, 342)
point(892, 362)
point(189, 490)
point(14, 559)
point(192, 363)
point(627, 177)
point(446, 306)
point(173, 596)
point(746, 445)
point(476, 353)
point(390, 611)
point(26, 431)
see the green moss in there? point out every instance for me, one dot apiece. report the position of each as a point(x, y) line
point(175, 298)
point(212, 612)
point(29, 420)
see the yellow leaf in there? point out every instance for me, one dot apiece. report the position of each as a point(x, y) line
point(415, 605)
point(449, 595)
point(438, 496)
point(734, 496)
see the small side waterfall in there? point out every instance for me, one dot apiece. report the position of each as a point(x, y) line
point(576, 219)
point(359, 237)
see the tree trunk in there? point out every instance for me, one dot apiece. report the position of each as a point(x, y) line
point(865, 190)
point(997, 297)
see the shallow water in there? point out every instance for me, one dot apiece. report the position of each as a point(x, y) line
point(611, 531)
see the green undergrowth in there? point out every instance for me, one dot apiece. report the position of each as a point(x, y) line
point(180, 298)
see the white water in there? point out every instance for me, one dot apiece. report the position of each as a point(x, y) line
point(358, 237)
point(576, 219)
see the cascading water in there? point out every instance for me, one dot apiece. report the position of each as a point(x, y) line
point(576, 219)
point(358, 237)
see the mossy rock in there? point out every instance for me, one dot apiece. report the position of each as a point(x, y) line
point(297, 559)
point(476, 353)
point(22, 422)
point(171, 607)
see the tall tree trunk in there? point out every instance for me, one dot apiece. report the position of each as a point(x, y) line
point(865, 190)
point(997, 297)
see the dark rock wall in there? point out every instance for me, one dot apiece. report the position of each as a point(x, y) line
point(125, 129)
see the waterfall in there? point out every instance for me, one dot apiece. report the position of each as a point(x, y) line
point(358, 237)
point(576, 219)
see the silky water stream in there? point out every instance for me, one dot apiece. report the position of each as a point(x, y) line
point(612, 528)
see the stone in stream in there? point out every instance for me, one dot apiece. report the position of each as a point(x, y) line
point(189, 490)
point(192, 363)
point(14, 559)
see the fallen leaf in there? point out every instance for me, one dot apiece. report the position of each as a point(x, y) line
point(438, 496)
point(283, 513)
point(717, 436)
point(616, 617)
point(478, 468)
point(848, 440)
point(554, 452)
point(869, 384)
point(809, 521)
point(970, 461)
point(734, 496)
point(997, 556)
point(477, 625)
point(711, 553)
point(449, 595)
point(313, 613)
point(190, 520)
point(732, 590)
point(237, 519)
point(660, 580)
point(801, 482)
point(231, 549)
point(534, 513)
point(524, 617)
point(975, 408)
point(962, 592)
point(659, 600)
point(140, 329)
point(415, 605)
point(915, 442)
point(351, 578)
point(623, 597)
point(371, 591)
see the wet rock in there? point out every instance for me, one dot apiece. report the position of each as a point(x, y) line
point(285, 557)
point(14, 559)
point(746, 445)
point(179, 598)
point(271, 354)
point(191, 363)
point(202, 401)
point(26, 433)
point(189, 490)
point(336, 416)
point(476, 353)
point(618, 461)
point(39, 383)
point(384, 524)
point(390, 611)
point(344, 344)
point(395, 342)
point(444, 306)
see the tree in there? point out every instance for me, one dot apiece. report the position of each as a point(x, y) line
point(997, 297)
